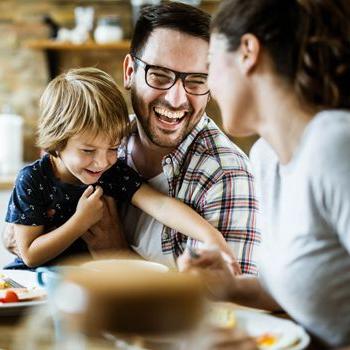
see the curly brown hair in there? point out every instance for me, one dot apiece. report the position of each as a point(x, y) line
point(308, 41)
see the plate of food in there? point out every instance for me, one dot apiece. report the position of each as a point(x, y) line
point(270, 332)
point(19, 290)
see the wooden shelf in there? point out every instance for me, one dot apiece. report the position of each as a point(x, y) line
point(47, 44)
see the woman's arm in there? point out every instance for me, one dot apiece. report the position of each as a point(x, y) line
point(179, 216)
point(222, 284)
point(37, 248)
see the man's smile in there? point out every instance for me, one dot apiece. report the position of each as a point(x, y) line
point(169, 118)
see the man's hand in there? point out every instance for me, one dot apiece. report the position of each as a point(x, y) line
point(9, 240)
point(106, 235)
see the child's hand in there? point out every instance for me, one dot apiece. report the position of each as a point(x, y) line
point(90, 207)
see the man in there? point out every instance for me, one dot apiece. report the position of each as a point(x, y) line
point(175, 146)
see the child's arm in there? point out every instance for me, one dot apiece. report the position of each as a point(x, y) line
point(177, 215)
point(37, 248)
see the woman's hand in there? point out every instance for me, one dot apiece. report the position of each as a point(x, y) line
point(216, 270)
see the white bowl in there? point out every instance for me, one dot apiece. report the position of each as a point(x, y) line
point(108, 264)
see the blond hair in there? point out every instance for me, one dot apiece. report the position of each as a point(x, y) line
point(81, 100)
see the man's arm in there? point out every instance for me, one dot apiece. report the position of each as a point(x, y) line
point(223, 285)
point(9, 240)
point(107, 235)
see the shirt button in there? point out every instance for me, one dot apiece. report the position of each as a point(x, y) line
point(168, 160)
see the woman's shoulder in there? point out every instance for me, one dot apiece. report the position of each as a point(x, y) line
point(329, 134)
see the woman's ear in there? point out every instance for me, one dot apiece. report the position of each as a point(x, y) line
point(249, 52)
point(129, 70)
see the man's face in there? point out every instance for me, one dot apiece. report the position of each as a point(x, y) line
point(167, 116)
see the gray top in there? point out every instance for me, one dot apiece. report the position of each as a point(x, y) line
point(305, 257)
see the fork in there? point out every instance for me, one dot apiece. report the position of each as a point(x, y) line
point(193, 253)
point(12, 283)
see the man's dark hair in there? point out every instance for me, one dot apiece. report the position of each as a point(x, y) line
point(184, 18)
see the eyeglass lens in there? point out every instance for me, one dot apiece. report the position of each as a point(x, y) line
point(160, 78)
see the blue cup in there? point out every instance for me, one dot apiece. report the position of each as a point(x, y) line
point(50, 278)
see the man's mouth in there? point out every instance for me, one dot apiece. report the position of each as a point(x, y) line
point(169, 117)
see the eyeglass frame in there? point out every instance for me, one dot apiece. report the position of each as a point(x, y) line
point(181, 75)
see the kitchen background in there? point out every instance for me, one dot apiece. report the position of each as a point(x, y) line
point(29, 58)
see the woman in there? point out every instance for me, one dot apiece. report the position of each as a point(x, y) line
point(281, 69)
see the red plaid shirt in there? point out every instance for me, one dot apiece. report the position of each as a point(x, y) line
point(212, 175)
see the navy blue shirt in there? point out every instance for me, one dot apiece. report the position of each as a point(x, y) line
point(39, 198)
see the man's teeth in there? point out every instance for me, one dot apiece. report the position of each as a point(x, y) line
point(169, 114)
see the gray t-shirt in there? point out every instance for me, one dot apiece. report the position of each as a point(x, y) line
point(305, 254)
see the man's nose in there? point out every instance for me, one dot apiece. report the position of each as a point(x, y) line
point(176, 96)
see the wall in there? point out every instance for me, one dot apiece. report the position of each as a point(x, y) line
point(24, 71)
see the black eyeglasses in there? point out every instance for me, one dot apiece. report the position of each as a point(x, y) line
point(161, 78)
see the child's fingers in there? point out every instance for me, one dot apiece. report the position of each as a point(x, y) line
point(88, 191)
point(97, 193)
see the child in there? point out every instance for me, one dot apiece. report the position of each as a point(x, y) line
point(59, 197)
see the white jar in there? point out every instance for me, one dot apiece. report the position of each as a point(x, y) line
point(108, 30)
point(11, 144)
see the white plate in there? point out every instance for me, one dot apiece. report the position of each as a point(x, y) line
point(27, 279)
point(290, 336)
point(106, 264)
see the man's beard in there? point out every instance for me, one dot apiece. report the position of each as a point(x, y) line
point(159, 138)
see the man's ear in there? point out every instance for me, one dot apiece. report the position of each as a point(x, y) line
point(249, 52)
point(129, 70)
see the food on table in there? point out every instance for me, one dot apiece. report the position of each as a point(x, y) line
point(266, 340)
point(10, 294)
point(10, 297)
point(4, 284)
point(222, 317)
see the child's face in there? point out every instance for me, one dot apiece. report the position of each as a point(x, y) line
point(86, 158)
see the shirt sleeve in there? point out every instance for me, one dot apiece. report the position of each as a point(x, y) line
point(26, 205)
point(231, 206)
point(334, 185)
point(120, 182)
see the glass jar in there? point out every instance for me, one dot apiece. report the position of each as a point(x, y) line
point(108, 30)
point(124, 308)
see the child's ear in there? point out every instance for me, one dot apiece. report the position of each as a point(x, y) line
point(129, 70)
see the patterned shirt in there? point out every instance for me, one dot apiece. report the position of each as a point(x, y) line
point(39, 198)
point(212, 175)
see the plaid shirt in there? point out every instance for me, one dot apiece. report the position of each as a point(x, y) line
point(212, 175)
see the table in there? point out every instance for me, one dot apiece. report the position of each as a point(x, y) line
point(10, 328)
